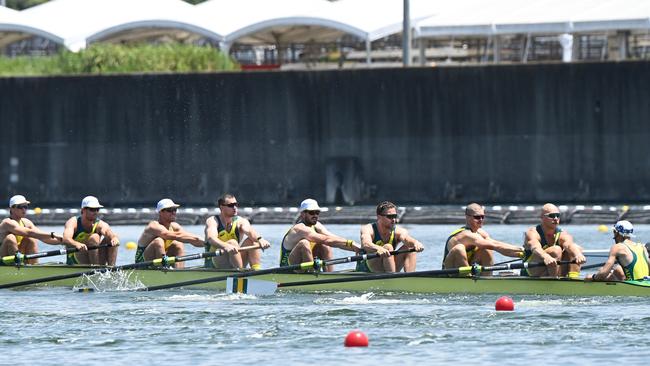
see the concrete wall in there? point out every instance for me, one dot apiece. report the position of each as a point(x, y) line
point(525, 133)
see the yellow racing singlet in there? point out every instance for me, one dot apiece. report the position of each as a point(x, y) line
point(638, 268)
point(556, 241)
point(223, 235)
point(80, 234)
point(528, 253)
point(312, 244)
point(19, 238)
point(362, 266)
point(284, 253)
point(168, 242)
point(470, 252)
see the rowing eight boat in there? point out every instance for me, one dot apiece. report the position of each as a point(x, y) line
point(294, 282)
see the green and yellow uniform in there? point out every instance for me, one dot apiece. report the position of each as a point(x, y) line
point(528, 254)
point(362, 266)
point(224, 235)
point(284, 253)
point(80, 235)
point(139, 252)
point(19, 239)
point(638, 268)
point(470, 252)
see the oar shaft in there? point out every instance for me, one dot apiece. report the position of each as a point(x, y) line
point(290, 268)
point(432, 273)
point(378, 276)
point(592, 266)
point(357, 258)
point(62, 252)
point(19, 259)
point(293, 267)
point(154, 262)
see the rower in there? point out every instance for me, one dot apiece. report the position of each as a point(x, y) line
point(382, 237)
point(165, 237)
point(471, 244)
point(226, 231)
point(19, 234)
point(309, 238)
point(88, 231)
point(627, 260)
point(548, 243)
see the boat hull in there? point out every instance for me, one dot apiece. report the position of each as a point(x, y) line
point(441, 285)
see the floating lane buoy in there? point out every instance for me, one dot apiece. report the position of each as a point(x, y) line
point(504, 303)
point(356, 338)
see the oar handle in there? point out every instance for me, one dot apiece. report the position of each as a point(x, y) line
point(476, 269)
point(166, 261)
point(356, 258)
point(19, 258)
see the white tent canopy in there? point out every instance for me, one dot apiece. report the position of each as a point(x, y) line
point(75, 23)
point(475, 17)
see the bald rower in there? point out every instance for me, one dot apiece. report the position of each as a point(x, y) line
point(471, 244)
point(548, 243)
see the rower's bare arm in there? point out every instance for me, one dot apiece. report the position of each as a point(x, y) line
point(109, 234)
point(154, 229)
point(506, 249)
point(29, 230)
point(574, 250)
point(408, 240)
point(212, 235)
point(325, 239)
point(246, 228)
point(604, 271)
point(68, 232)
point(533, 241)
point(185, 236)
point(368, 245)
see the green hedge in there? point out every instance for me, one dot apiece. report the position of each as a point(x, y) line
point(109, 58)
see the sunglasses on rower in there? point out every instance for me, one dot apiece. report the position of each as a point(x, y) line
point(172, 210)
point(390, 216)
point(23, 207)
point(231, 205)
point(313, 212)
point(553, 215)
point(93, 209)
point(477, 217)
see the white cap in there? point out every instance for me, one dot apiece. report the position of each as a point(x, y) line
point(309, 205)
point(90, 202)
point(18, 200)
point(624, 228)
point(165, 203)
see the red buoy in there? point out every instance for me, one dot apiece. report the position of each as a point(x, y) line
point(356, 338)
point(504, 303)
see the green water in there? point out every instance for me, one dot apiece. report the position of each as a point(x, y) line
point(194, 327)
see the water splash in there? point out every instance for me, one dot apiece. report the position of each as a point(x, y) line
point(109, 281)
point(369, 298)
point(212, 297)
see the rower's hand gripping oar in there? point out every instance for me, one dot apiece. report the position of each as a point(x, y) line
point(156, 263)
point(19, 258)
point(317, 264)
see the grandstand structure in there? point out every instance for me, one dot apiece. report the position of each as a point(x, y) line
point(344, 33)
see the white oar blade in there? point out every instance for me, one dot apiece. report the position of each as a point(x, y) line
point(250, 286)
